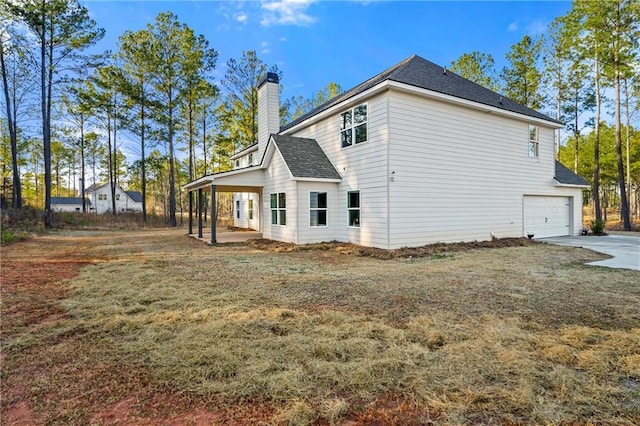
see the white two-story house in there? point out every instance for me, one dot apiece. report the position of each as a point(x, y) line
point(101, 199)
point(414, 155)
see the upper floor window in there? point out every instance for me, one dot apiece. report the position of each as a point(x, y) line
point(534, 141)
point(117, 197)
point(251, 159)
point(102, 197)
point(353, 126)
point(318, 209)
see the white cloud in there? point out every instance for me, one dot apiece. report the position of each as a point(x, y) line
point(242, 18)
point(536, 27)
point(287, 12)
point(264, 48)
point(513, 26)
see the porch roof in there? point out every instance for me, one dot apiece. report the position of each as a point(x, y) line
point(248, 179)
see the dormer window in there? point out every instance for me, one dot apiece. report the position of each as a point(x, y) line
point(237, 163)
point(251, 159)
point(353, 126)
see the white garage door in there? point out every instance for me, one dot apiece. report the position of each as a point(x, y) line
point(546, 216)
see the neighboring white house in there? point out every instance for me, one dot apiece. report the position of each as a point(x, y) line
point(68, 204)
point(414, 155)
point(100, 196)
point(245, 205)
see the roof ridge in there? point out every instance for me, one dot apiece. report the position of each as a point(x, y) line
point(381, 76)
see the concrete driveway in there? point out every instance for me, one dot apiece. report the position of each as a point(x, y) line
point(624, 249)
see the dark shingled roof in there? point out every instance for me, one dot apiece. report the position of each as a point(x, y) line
point(418, 72)
point(305, 158)
point(67, 200)
point(566, 176)
point(135, 196)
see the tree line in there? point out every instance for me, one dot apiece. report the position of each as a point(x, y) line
point(67, 113)
point(156, 89)
point(586, 66)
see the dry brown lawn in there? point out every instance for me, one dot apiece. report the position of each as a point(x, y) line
point(151, 327)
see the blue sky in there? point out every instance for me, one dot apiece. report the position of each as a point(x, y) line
point(317, 42)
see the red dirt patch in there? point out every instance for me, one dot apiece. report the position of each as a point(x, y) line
point(68, 375)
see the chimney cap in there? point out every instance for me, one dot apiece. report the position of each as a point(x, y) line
point(271, 77)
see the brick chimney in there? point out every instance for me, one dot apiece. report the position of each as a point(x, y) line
point(268, 110)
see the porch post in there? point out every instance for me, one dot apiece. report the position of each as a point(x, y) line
point(199, 212)
point(190, 212)
point(214, 214)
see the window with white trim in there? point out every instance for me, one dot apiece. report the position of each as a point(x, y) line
point(237, 209)
point(117, 197)
point(534, 141)
point(250, 209)
point(251, 159)
point(279, 208)
point(102, 197)
point(353, 208)
point(317, 208)
point(353, 126)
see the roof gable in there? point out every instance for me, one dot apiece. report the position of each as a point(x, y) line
point(565, 176)
point(96, 186)
point(305, 158)
point(418, 72)
point(134, 195)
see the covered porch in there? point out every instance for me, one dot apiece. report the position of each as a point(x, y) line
point(249, 180)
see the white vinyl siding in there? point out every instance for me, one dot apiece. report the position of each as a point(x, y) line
point(316, 234)
point(460, 174)
point(363, 166)
point(277, 179)
point(246, 220)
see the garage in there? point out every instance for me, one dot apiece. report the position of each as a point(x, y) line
point(547, 216)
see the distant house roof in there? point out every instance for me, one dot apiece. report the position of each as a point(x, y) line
point(305, 158)
point(96, 186)
point(68, 201)
point(418, 72)
point(135, 196)
point(252, 147)
point(565, 176)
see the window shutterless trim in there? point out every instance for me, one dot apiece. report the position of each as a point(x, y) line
point(534, 141)
point(351, 208)
point(319, 209)
point(350, 130)
point(278, 205)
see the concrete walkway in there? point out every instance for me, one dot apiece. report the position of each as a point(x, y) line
point(624, 249)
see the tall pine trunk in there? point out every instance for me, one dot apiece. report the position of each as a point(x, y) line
point(16, 194)
point(172, 176)
point(596, 145)
point(46, 80)
point(624, 205)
